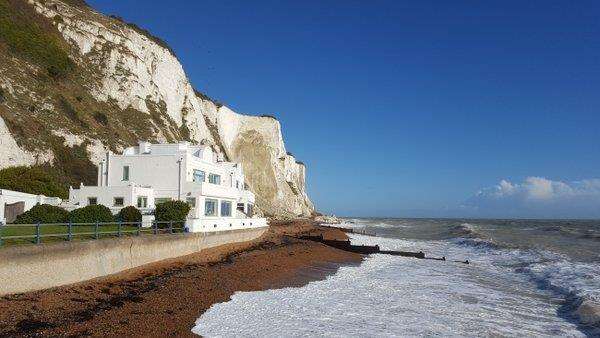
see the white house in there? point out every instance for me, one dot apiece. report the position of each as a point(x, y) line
point(14, 203)
point(148, 174)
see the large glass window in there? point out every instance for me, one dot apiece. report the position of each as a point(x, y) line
point(225, 208)
point(199, 175)
point(126, 173)
point(214, 179)
point(142, 202)
point(210, 207)
point(92, 200)
point(191, 201)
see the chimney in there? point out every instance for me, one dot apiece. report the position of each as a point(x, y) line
point(144, 147)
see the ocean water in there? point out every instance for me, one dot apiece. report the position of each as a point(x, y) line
point(526, 278)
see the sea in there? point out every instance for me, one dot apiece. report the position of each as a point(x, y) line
point(525, 278)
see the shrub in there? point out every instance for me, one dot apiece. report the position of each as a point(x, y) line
point(129, 214)
point(43, 213)
point(91, 214)
point(176, 211)
point(32, 180)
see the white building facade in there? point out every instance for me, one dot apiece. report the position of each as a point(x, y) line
point(14, 203)
point(148, 174)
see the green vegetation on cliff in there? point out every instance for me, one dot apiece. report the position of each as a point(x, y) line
point(33, 180)
point(27, 35)
point(71, 167)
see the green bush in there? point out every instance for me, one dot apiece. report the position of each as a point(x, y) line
point(129, 214)
point(32, 180)
point(43, 213)
point(176, 211)
point(91, 214)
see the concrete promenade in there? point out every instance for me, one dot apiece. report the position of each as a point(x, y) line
point(37, 267)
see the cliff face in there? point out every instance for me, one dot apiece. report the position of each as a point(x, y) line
point(119, 85)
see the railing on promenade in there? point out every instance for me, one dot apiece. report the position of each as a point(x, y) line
point(15, 234)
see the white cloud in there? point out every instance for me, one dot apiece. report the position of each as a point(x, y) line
point(538, 197)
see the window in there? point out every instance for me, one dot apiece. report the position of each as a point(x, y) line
point(119, 201)
point(214, 179)
point(210, 207)
point(92, 200)
point(162, 200)
point(199, 175)
point(126, 173)
point(225, 208)
point(142, 202)
point(237, 184)
point(191, 201)
point(250, 210)
point(240, 207)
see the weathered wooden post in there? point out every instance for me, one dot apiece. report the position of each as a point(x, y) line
point(38, 240)
point(171, 227)
point(96, 235)
point(155, 227)
point(119, 230)
point(139, 228)
point(70, 235)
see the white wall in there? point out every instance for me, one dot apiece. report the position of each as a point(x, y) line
point(158, 171)
point(30, 200)
point(220, 224)
point(106, 196)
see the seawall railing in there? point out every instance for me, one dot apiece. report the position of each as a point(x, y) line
point(18, 234)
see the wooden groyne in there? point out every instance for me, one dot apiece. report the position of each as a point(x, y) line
point(371, 249)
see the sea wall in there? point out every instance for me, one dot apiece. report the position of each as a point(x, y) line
point(37, 267)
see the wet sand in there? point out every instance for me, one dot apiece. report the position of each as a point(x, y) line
point(166, 298)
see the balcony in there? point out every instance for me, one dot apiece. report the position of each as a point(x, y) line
point(212, 190)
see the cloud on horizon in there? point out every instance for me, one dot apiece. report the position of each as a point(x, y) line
point(538, 197)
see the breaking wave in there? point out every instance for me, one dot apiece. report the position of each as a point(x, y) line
point(578, 284)
point(521, 282)
point(415, 297)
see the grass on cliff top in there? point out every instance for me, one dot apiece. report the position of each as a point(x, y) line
point(31, 36)
point(145, 33)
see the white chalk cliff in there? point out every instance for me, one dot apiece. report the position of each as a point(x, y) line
point(134, 73)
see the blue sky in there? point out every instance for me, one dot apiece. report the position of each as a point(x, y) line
point(408, 108)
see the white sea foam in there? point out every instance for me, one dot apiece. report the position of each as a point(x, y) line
point(391, 296)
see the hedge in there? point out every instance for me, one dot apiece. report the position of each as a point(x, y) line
point(176, 211)
point(43, 213)
point(91, 214)
point(129, 214)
